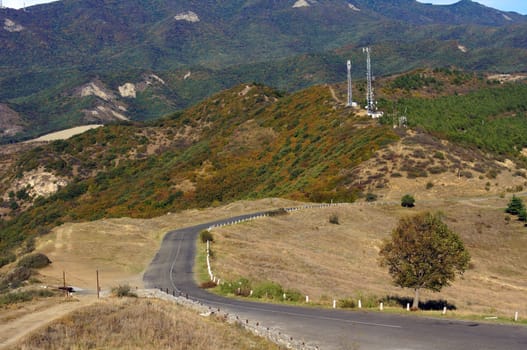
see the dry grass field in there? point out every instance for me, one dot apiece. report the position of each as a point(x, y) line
point(304, 251)
point(121, 249)
point(301, 251)
point(131, 323)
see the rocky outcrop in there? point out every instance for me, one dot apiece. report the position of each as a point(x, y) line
point(10, 121)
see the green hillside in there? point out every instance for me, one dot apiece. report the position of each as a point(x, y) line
point(247, 142)
point(50, 51)
point(253, 142)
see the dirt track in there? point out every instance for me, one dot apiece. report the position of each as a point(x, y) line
point(38, 315)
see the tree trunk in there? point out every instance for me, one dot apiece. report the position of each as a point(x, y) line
point(415, 305)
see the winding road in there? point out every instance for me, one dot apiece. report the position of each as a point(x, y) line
point(172, 268)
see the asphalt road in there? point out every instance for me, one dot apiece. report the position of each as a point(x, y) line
point(172, 268)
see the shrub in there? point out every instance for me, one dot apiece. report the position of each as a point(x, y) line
point(371, 197)
point(277, 212)
point(429, 185)
point(348, 303)
point(242, 287)
point(334, 219)
point(205, 236)
point(6, 258)
point(15, 277)
point(408, 201)
point(515, 206)
point(269, 290)
point(492, 174)
point(293, 295)
point(208, 285)
point(34, 261)
point(466, 174)
point(20, 297)
point(439, 155)
point(123, 291)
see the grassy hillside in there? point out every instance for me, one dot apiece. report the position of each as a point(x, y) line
point(247, 142)
point(254, 142)
point(144, 324)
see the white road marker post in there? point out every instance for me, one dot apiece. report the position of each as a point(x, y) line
point(360, 304)
point(407, 306)
point(381, 306)
point(444, 310)
point(334, 304)
point(516, 316)
point(307, 299)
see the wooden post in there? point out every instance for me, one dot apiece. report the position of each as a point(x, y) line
point(98, 288)
point(64, 283)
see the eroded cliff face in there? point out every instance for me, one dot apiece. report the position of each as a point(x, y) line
point(11, 122)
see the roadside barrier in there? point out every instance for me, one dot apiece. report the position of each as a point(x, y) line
point(254, 326)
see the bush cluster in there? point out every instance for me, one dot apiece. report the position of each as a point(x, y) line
point(206, 236)
point(123, 291)
point(516, 207)
point(34, 261)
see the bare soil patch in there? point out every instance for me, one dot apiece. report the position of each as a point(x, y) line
point(66, 134)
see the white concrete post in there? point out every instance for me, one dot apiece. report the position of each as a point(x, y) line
point(381, 306)
point(516, 316)
point(307, 298)
point(444, 310)
point(251, 293)
point(360, 304)
point(407, 306)
point(284, 296)
point(334, 304)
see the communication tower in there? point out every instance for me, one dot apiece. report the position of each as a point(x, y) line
point(350, 92)
point(371, 105)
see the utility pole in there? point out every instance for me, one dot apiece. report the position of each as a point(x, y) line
point(98, 288)
point(350, 90)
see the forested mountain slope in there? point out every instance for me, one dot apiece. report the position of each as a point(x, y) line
point(98, 61)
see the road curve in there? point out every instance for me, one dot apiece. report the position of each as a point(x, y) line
point(172, 269)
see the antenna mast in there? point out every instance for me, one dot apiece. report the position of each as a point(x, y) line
point(350, 91)
point(371, 106)
point(369, 90)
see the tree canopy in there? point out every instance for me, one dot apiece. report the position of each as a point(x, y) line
point(408, 201)
point(424, 253)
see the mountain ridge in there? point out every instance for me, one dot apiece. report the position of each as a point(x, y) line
point(55, 48)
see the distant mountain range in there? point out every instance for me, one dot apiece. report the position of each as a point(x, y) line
point(88, 61)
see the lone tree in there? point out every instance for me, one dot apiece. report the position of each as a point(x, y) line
point(515, 206)
point(423, 253)
point(408, 201)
